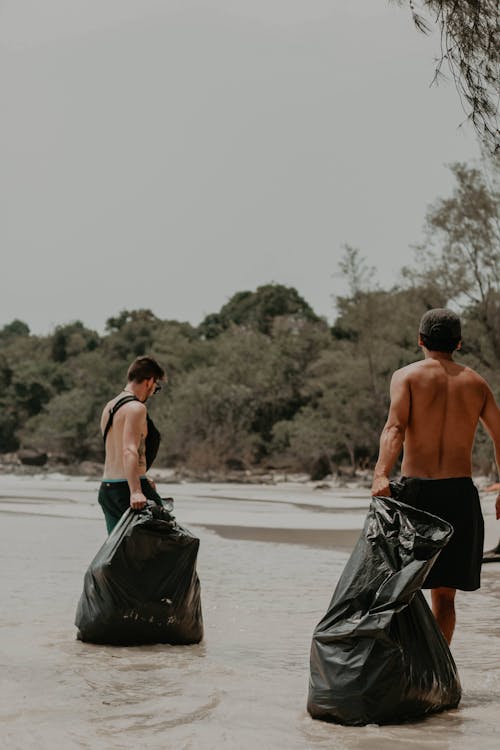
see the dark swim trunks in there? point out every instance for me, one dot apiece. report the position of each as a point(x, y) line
point(114, 499)
point(456, 500)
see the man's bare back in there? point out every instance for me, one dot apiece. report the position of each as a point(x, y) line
point(436, 405)
point(444, 401)
point(129, 428)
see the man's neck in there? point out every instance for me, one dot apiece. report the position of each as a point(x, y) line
point(443, 356)
point(137, 390)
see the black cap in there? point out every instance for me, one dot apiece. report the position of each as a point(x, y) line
point(441, 324)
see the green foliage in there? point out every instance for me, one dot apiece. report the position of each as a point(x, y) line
point(15, 328)
point(209, 421)
point(460, 257)
point(305, 440)
point(226, 409)
point(347, 384)
point(26, 388)
point(131, 334)
point(8, 425)
point(130, 316)
point(63, 426)
point(6, 373)
point(258, 310)
point(72, 339)
point(179, 346)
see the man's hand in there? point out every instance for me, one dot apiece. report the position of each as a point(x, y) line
point(137, 500)
point(497, 506)
point(381, 486)
point(152, 483)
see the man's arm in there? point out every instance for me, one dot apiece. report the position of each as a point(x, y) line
point(392, 436)
point(133, 432)
point(490, 417)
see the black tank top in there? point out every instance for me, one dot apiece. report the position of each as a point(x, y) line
point(153, 437)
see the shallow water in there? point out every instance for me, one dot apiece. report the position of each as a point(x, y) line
point(245, 686)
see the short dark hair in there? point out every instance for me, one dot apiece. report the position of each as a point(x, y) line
point(143, 368)
point(440, 330)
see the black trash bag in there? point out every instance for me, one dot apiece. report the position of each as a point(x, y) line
point(142, 586)
point(378, 655)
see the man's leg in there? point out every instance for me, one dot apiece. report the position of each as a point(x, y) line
point(443, 607)
point(114, 499)
point(111, 520)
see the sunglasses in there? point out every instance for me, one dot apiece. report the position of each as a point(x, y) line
point(158, 388)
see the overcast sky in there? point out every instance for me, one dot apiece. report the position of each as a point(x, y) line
point(167, 154)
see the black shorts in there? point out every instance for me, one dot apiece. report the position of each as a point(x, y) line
point(456, 500)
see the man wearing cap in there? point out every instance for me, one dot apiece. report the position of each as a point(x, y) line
point(436, 405)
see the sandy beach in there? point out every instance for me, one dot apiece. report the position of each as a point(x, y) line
point(269, 560)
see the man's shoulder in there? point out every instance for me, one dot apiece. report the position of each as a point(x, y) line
point(475, 377)
point(472, 373)
point(132, 407)
point(405, 373)
point(428, 367)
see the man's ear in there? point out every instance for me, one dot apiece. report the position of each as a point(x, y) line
point(420, 342)
point(459, 345)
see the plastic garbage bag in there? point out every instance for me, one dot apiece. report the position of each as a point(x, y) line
point(378, 655)
point(142, 586)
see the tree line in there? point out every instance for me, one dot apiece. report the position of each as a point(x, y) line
point(265, 382)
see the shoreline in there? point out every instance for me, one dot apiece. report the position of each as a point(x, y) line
point(92, 471)
point(89, 470)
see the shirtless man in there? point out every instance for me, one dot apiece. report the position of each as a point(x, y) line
point(436, 405)
point(131, 442)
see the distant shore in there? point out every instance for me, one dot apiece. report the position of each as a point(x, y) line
point(92, 470)
point(11, 464)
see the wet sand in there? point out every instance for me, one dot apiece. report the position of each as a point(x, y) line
point(269, 560)
point(340, 540)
